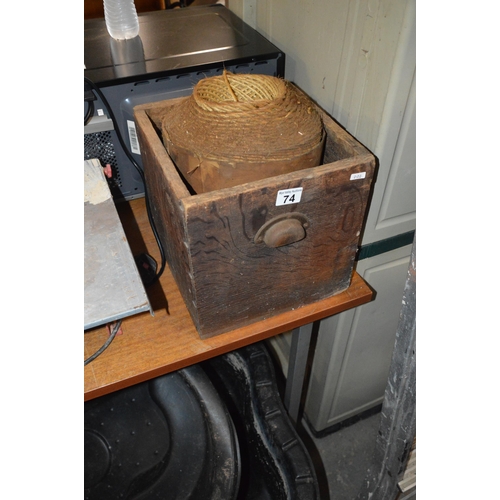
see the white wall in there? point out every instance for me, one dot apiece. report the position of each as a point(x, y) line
point(357, 60)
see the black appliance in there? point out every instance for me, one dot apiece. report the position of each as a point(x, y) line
point(174, 49)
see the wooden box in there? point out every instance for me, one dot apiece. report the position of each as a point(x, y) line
point(245, 253)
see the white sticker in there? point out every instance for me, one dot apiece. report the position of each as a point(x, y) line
point(132, 134)
point(100, 112)
point(361, 175)
point(288, 196)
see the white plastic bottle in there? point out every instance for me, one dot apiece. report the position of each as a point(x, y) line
point(121, 19)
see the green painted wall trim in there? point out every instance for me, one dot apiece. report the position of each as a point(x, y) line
point(386, 245)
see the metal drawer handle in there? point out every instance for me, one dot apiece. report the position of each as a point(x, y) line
point(283, 230)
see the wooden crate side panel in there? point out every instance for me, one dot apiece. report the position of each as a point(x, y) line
point(339, 143)
point(157, 157)
point(238, 281)
point(165, 188)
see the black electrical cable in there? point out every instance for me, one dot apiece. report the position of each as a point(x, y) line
point(141, 173)
point(89, 113)
point(106, 344)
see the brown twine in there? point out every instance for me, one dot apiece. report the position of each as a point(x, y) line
point(250, 118)
point(226, 79)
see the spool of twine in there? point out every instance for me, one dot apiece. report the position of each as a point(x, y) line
point(241, 117)
point(238, 93)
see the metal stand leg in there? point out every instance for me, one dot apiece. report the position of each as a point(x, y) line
point(299, 352)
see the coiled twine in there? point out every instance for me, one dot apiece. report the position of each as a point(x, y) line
point(250, 122)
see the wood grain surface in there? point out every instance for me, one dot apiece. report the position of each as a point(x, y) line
point(229, 280)
point(150, 346)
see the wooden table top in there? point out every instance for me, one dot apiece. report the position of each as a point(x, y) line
point(150, 346)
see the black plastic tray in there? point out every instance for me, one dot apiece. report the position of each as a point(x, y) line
point(275, 462)
point(170, 439)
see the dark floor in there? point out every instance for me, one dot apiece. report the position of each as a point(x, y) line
point(343, 458)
